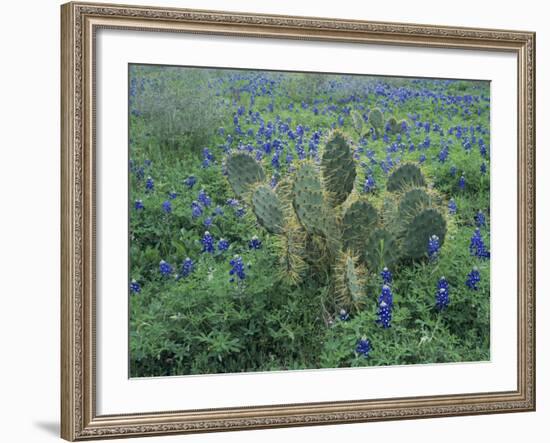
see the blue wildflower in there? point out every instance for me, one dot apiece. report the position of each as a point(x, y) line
point(462, 182)
point(453, 171)
point(480, 219)
point(477, 246)
point(207, 242)
point(207, 222)
point(385, 305)
point(442, 294)
point(150, 184)
point(196, 209)
point(190, 181)
point(483, 168)
point(240, 211)
point(223, 244)
point(255, 243)
point(167, 206)
point(138, 205)
point(386, 276)
point(237, 268)
point(369, 184)
point(204, 198)
point(344, 315)
point(207, 158)
point(363, 347)
point(165, 268)
point(452, 206)
point(187, 268)
point(473, 279)
point(172, 195)
point(433, 247)
point(135, 287)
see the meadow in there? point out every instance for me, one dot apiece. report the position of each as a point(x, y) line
point(285, 221)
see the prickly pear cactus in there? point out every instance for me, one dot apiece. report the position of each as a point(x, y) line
point(358, 222)
point(243, 172)
point(376, 119)
point(357, 121)
point(350, 284)
point(308, 201)
point(393, 125)
point(382, 249)
point(268, 209)
point(338, 168)
point(412, 202)
point(418, 231)
point(406, 175)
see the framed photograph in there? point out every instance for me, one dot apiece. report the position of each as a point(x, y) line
point(283, 221)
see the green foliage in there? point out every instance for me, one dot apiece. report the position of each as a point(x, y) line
point(376, 119)
point(419, 230)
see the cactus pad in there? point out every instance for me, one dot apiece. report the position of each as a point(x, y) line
point(405, 176)
point(393, 125)
point(376, 119)
point(412, 202)
point(338, 168)
point(358, 222)
point(349, 282)
point(308, 199)
point(418, 231)
point(243, 172)
point(357, 121)
point(382, 249)
point(268, 209)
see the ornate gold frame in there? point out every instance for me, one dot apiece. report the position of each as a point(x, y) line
point(79, 22)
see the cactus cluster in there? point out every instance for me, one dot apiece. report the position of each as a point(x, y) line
point(323, 224)
point(376, 120)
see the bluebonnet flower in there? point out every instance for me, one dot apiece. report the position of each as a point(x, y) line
point(477, 246)
point(167, 206)
point(273, 181)
point(453, 171)
point(187, 268)
point(363, 347)
point(223, 244)
point(479, 219)
point(473, 279)
point(442, 294)
point(452, 206)
point(433, 247)
point(190, 181)
point(386, 276)
point(135, 287)
point(207, 157)
point(233, 202)
point(443, 154)
point(150, 184)
point(255, 243)
point(237, 268)
point(165, 268)
point(172, 195)
point(240, 211)
point(196, 209)
point(204, 198)
point(344, 315)
point(138, 205)
point(207, 242)
point(218, 210)
point(207, 222)
point(369, 184)
point(483, 168)
point(422, 158)
point(462, 182)
point(385, 305)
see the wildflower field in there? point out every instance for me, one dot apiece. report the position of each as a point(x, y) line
point(285, 221)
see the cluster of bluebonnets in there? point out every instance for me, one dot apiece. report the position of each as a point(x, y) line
point(199, 224)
